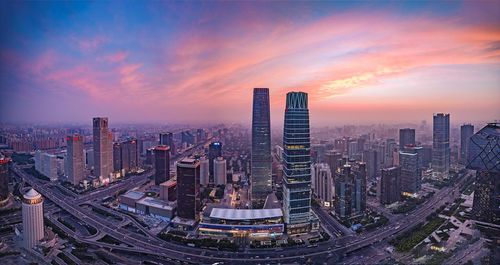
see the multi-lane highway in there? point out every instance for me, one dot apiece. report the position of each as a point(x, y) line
point(148, 244)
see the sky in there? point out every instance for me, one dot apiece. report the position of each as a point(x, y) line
point(196, 62)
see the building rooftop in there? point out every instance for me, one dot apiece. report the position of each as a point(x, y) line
point(134, 195)
point(31, 195)
point(245, 214)
point(169, 183)
point(162, 148)
point(152, 202)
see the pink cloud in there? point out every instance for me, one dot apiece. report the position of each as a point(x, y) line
point(116, 57)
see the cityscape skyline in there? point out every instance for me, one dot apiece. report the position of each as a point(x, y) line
point(55, 71)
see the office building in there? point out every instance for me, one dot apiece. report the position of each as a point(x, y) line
point(162, 164)
point(201, 135)
point(75, 167)
point(214, 151)
point(359, 200)
point(103, 148)
point(204, 172)
point(129, 155)
point(411, 173)
point(261, 161)
point(296, 164)
point(441, 145)
point(333, 159)
point(389, 185)
point(322, 184)
point(117, 157)
point(483, 156)
point(4, 178)
point(344, 188)
point(188, 189)
point(32, 211)
point(466, 131)
point(220, 171)
point(168, 190)
point(391, 149)
point(370, 157)
point(406, 137)
point(167, 138)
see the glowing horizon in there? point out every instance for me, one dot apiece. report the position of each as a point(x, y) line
point(199, 62)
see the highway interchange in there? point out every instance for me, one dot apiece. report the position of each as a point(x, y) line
point(149, 244)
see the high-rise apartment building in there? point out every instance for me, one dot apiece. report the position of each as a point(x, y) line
point(441, 145)
point(411, 173)
point(406, 137)
point(466, 131)
point(75, 166)
point(188, 188)
point(390, 185)
point(322, 183)
point(220, 172)
point(261, 161)
point(214, 151)
point(484, 157)
point(296, 164)
point(162, 164)
point(103, 147)
point(32, 211)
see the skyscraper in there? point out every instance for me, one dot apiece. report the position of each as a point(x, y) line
point(322, 180)
point(32, 211)
point(484, 157)
point(214, 151)
point(75, 163)
point(406, 136)
point(333, 159)
point(296, 164)
point(162, 164)
point(167, 138)
point(344, 189)
point(188, 188)
point(129, 155)
point(4, 178)
point(204, 171)
point(261, 147)
point(220, 173)
point(410, 171)
point(390, 185)
point(466, 131)
point(117, 157)
point(103, 147)
point(441, 145)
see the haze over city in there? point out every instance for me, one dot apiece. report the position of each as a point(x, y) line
point(187, 62)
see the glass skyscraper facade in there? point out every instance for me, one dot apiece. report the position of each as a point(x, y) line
point(441, 145)
point(296, 163)
point(261, 148)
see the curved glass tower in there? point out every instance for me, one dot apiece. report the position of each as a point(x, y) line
point(296, 164)
point(261, 148)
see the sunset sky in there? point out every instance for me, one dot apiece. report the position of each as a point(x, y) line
point(183, 62)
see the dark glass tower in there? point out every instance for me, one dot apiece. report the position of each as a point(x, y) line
point(188, 188)
point(441, 145)
point(162, 164)
point(296, 164)
point(406, 137)
point(4, 178)
point(484, 157)
point(261, 147)
point(214, 151)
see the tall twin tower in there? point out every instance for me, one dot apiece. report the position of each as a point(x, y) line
point(296, 157)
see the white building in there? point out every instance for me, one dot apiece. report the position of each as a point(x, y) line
point(46, 164)
point(322, 183)
point(220, 173)
point(204, 171)
point(32, 210)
